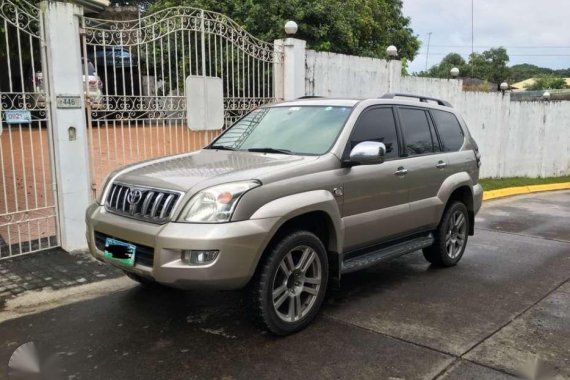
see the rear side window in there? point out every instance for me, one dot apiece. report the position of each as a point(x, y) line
point(449, 130)
point(417, 133)
point(377, 124)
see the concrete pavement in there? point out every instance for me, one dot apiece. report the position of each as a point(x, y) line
point(502, 310)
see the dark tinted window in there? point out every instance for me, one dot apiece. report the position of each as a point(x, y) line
point(449, 130)
point(416, 131)
point(377, 124)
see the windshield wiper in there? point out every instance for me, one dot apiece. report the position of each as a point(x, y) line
point(269, 150)
point(221, 147)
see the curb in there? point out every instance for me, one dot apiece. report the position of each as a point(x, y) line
point(510, 191)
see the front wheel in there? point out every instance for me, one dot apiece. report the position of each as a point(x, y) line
point(450, 237)
point(290, 284)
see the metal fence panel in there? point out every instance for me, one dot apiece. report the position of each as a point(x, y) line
point(28, 213)
point(137, 103)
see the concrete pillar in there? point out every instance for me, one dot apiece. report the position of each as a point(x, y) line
point(292, 85)
point(69, 131)
point(394, 75)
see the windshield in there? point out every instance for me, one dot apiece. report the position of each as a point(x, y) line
point(305, 130)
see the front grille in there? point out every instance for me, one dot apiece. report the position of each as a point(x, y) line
point(143, 255)
point(152, 205)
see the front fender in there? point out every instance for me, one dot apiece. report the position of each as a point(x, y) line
point(290, 206)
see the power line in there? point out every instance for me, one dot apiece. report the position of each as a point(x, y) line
point(472, 33)
point(510, 55)
point(509, 47)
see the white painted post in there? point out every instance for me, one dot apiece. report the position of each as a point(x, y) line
point(69, 131)
point(394, 75)
point(293, 68)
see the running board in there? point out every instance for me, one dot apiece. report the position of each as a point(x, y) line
point(386, 253)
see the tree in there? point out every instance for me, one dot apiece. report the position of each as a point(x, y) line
point(442, 69)
point(547, 82)
point(357, 27)
point(490, 65)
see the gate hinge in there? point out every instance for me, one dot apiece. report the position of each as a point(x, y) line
point(82, 32)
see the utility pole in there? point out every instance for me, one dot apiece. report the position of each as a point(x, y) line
point(427, 53)
point(472, 34)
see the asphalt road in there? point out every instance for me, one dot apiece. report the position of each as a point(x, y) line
point(505, 307)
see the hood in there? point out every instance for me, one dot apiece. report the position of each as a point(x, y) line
point(208, 167)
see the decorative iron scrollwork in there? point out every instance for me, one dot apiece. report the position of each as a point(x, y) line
point(21, 14)
point(165, 22)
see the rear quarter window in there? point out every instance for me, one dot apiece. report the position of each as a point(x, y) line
point(449, 129)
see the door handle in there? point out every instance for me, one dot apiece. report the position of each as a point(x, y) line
point(441, 165)
point(401, 171)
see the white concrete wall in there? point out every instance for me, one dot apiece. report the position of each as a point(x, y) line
point(515, 138)
point(337, 75)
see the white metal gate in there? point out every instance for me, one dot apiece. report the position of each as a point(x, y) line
point(28, 213)
point(137, 104)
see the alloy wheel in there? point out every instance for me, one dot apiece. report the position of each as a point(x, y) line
point(296, 283)
point(456, 235)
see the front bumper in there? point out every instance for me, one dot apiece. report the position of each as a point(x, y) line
point(240, 246)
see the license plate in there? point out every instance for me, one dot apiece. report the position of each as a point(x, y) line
point(120, 251)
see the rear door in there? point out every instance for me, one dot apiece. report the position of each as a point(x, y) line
point(426, 166)
point(375, 198)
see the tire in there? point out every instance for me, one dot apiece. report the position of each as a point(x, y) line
point(450, 237)
point(147, 283)
point(296, 263)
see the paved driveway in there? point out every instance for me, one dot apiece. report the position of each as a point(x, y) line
point(504, 307)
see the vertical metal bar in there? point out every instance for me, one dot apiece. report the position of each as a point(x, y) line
point(233, 72)
point(163, 95)
point(88, 104)
point(8, 56)
point(125, 107)
point(148, 96)
point(30, 132)
point(155, 82)
point(203, 42)
point(196, 53)
point(209, 54)
point(141, 98)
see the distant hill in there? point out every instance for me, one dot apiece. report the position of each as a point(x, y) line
point(525, 71)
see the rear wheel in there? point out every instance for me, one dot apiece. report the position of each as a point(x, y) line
point(450, 237)
point(290, 285)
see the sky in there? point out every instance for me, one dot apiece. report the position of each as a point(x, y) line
point(532, 31)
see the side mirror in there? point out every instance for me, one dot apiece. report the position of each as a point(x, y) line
point(368, 153)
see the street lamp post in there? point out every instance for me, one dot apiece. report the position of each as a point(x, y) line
point(454, 72)
point(546, 95)
point(291, 27)
point(392, 52)
point(504, 87)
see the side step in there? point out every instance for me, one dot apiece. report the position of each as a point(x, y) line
point(386, 253)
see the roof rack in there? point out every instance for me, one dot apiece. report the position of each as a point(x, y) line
point(311, 97)
point(423, 99)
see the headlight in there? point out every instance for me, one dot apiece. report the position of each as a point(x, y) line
point(216, 204)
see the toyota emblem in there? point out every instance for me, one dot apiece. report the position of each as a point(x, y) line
point(134, 197)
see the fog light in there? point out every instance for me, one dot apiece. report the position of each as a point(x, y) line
point(195, 257)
